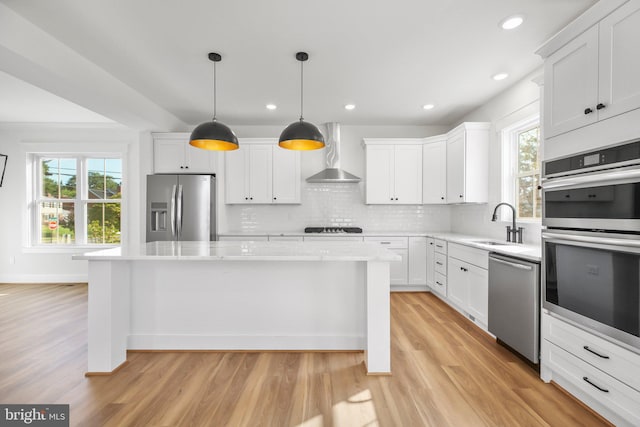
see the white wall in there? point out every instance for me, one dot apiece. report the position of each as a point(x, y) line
point(334, 204)
point(511, 106)
point(18, 262)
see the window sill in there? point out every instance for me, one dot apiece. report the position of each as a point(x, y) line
point(65, 249)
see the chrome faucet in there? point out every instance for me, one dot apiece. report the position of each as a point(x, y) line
point(513, 233)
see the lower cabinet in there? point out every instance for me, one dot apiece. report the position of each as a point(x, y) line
point(468, 281)
point(600, 373)
point(417, 261)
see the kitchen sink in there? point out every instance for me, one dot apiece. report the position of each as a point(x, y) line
point(492, 243)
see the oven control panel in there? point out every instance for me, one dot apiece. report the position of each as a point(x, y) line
point(607, 157)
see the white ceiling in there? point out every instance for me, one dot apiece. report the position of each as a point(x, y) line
point(388, 58)
point(22, 102)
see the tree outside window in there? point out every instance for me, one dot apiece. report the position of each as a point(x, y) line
point(79, 208)
point(528, 200)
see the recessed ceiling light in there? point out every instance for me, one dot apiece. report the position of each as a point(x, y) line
point(428, 106)
point(271, 106)
point(349, 107)
point(500, 76)
point(511, 22)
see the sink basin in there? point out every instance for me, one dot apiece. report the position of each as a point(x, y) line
point(492, 243)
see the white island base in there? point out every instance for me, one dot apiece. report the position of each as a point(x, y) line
point(239, 296)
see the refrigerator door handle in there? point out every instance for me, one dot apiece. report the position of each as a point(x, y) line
point(173, 212)
point(179, 211)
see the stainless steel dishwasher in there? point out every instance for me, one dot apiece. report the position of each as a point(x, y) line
point(514, 304)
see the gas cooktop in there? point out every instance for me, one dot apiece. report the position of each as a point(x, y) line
point(333, 230)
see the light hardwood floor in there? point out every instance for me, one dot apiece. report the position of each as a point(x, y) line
point(446, 372)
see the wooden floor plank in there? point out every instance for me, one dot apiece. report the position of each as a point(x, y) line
point(446, 372)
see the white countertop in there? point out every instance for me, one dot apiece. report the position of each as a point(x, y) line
point(295, 233)
point(246, 251)
point(518, 250)
point(524, 251)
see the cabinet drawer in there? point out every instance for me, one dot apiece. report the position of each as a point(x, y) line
point(600, 387)
point(440, 263)
point(471, 255)
point(390, 242)
point(604, 355)
point(285, 238)
point(440, 284)
point(441, 246)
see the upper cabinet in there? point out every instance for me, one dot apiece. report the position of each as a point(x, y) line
point(393, 171)
point(434, 170)
point(261, 172)
point(467, 164)
point(595, 75)
point(173, 154)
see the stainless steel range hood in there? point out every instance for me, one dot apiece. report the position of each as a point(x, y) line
point(333, 174)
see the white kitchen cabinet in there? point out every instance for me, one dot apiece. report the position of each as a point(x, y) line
point(173, 154)
point(393, 171)
point(434, 170)
point(261, 172)
point(332, 238)
point(467, 165)
point(439, 267)
point(286, 176)
point(243, 238)
point(398, 245)
point(431, 252)
point(599, 372)
point(417, 261)
point(278, 238)
point(468, 281)
point(596, 75)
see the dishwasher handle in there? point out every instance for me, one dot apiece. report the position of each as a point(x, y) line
point(512, 264)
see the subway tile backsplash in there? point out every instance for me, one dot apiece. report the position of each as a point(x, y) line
point(335, 205)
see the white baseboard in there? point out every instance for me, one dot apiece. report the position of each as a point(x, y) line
point(243, 342)
point(44, 278)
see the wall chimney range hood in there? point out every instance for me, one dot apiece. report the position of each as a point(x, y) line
point(333, 174)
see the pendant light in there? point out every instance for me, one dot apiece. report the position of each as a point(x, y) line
point(301, 135)
point(214, 135)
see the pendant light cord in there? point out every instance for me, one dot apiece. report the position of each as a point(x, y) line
point(214, 91)
point(301, 88)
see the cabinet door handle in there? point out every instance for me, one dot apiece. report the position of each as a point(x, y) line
point(438, 283)
point(385, 243)
point(439, 246)
point(250, 198)
point(391, 199)
point(275, 198)
point(464, 269)
point(441, 198)
point(586, 347)
point(439, 263)
point(596, 386)
point(181, 167)
point(186, 167)
point(396, 198)
point(431, 243)
point(600, 106)
point(588, 111)
point(460, 196)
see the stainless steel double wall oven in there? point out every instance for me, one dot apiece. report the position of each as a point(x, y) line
point(591, 240)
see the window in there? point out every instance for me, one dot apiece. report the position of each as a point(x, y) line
point(521, 168)
point(77, 200)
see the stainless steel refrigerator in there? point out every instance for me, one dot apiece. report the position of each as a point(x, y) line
point(181, 207)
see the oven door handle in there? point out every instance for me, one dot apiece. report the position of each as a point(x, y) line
point(622, 176)
point(591, 241)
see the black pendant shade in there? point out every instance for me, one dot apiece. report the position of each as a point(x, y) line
point(301, 135)
point(214, 135)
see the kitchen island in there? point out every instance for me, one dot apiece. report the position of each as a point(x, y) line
point(245, 295)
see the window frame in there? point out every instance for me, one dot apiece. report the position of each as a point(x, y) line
point(509, 165)
point(81, 201)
